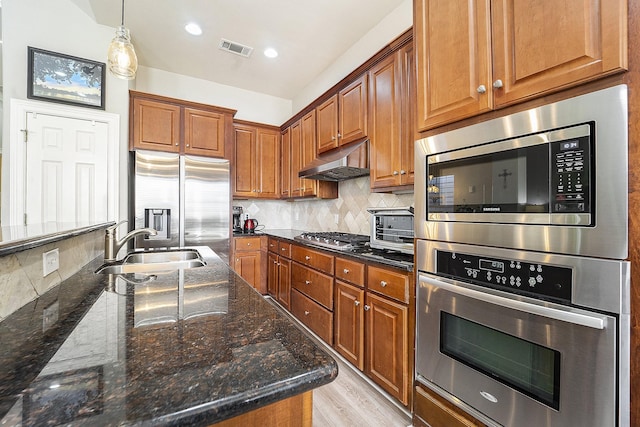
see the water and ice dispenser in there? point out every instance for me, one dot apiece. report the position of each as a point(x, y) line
point(160, 220)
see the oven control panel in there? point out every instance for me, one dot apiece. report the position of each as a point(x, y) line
point(538, 280)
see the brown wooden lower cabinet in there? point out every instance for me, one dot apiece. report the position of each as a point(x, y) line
point(313, 315)
point(387, 338)
point(431, 410)
point(349, 323)
point(250, 260)
point(294, 411)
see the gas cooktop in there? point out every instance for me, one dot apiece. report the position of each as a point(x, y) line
point(335, 240)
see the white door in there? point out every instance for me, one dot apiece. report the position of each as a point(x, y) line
point(66, 171)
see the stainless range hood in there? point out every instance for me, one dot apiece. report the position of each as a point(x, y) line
point(343, 163)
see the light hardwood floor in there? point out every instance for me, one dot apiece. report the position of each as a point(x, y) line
point(351, 400)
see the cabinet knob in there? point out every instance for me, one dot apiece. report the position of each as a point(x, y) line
point(481, 89)
point(307, 282)
point(366, 307)
point(395, 172)
point(248, 244)
point(187, 145)
point(307, 257)
point(403, 172)
point(497, 84)
point(356, 302)
point(176, 144)
point(339, 135)
point(345, 271)
point(333, 138)
point(306, 313)
point(383, 283)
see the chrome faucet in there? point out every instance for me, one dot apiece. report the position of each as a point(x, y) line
point(111, 243)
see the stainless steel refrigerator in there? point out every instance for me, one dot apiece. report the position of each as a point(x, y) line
point(185, 198)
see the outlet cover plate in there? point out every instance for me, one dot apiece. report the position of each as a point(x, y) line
point(50, 262)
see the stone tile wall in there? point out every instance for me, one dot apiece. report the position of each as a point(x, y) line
point(348, 213)
point(21, 278)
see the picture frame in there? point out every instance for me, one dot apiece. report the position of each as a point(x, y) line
point(56, 77)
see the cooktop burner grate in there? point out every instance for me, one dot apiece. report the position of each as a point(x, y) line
point(335, 239)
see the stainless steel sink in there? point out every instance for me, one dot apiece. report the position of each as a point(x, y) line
point(154, 261)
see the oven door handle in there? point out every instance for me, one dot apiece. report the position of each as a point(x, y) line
point(564, 315)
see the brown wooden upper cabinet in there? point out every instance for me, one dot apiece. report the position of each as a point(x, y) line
point(391, 128)
point(172, 125)
point(477, 56)
point(256, 154)
point(342, 119)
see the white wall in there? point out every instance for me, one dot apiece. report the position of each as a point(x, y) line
point(252, 106)
point(394, 24)
point(58, 26)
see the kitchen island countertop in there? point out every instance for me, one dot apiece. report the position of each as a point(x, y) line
point(188, 347)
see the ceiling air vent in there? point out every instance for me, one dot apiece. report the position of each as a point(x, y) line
point(236, 48)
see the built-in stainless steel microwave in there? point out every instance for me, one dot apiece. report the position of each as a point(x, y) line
point(553, 179)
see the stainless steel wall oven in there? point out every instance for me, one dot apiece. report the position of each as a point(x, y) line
point(522, 284)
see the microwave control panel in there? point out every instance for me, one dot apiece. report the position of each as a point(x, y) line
point(536, 280)
point(570, 176)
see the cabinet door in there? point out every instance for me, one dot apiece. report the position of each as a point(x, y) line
point(245, 161)
point(296, 159)
point(327, 118)
point(453, 48)
point(352, 102)
point(308, 147)
point(247, 266)
point(155, 126)
point(387, 345)
point(348, 323)
point(268, 155)
point(408, 131)
point(385, 106)
point(541, 46)
point(272, 275)
point(284, 286)
point(285, 164)
point(204, 132)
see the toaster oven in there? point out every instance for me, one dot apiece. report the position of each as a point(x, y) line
point(392, 229)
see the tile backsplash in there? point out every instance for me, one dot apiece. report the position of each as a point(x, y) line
point(348, 213)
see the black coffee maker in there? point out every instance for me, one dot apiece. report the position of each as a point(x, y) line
point(237, 219)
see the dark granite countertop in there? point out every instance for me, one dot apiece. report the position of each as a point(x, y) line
point(388, 258)
point(188, 347)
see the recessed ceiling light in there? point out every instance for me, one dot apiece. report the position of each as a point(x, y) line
point(270, 52)
point(193, 28)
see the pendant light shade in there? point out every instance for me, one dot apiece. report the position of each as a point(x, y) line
point(121, 57)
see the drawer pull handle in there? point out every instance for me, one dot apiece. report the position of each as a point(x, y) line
point(366, 307)
point(307, 257)
point(283, 249)
point(356, 302)
point(345, 271)
point(383, 283)
point(307, 282)
point(306, 313)
point(248, 244)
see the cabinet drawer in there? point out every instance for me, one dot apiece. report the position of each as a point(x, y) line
point(284, 249)
point(314, 316)
point(242, 244)
point(318, 260)
point(350, 271)
point(435, 412)
point(314, 284)
point(272, 245)
point(388, 282)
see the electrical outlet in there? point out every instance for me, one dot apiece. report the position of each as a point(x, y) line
point(336, 218)
point(50, 262)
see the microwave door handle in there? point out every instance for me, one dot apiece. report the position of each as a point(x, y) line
point(591, 321)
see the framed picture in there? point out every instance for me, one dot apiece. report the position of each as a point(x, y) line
point(62, 78)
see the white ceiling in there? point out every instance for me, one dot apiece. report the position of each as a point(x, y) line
point(308, 34)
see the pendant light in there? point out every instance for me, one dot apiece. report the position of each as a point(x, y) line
point(121, 57)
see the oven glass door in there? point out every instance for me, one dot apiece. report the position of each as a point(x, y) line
point(525, 366)
point(517, 360)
